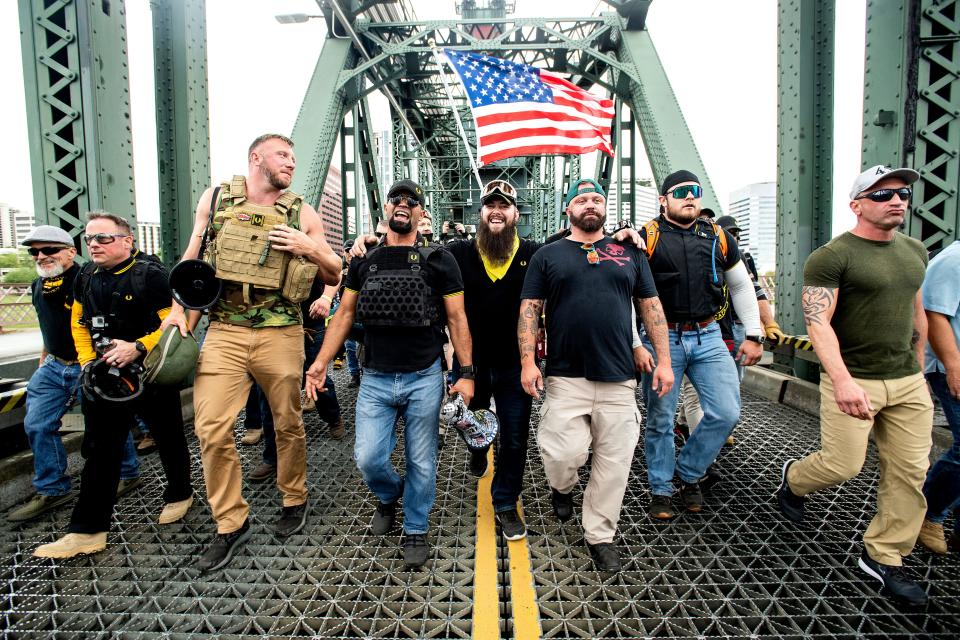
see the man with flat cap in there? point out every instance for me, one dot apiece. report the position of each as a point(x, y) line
point(694, 263)
point(863, 309)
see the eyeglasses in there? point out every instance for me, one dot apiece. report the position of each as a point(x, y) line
point(886, 195)
point(103, 238)
point(688, 189)
point(410, 202)
point(47, 251)
point(592, 256)
point(502, 186)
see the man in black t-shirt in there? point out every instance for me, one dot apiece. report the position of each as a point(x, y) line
point(403, 293)
point(588, 283)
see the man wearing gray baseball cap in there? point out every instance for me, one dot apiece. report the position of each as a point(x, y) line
point(55, 381)
point(864, 313)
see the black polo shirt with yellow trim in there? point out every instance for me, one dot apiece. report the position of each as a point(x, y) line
point(53, 300)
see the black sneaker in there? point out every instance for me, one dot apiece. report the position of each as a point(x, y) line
point(478, 463)
point(692, 497)
point(605, 556)
point(895, 580)
point(791, 505)
point(562, 505)
point(711, 478)
point(511, 525)
point(220, 551)
point(415, 549)
point(292, 519)
point(383, 518)
point(661, 507)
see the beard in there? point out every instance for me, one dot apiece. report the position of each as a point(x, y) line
point(49, 271)
point(496, 246)
point(397, 226)
point(684, 215)
point(590, 224)
point(276, 181)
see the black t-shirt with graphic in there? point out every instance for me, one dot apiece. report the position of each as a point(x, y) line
point(588, 306)
point(401, 349)
point(53, 299)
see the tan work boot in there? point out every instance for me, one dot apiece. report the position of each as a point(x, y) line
point(931, 536)
point(174, 511)
point(37, 506)
point(337, 430)
point(73, 544)
point(252, 436)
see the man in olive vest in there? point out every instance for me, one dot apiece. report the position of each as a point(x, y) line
point(267, 246)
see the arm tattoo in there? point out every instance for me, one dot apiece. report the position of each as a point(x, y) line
point(656, 325)
point(915, 338)
point(527, 327)
point(816, 302)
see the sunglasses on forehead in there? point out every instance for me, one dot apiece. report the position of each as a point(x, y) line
point(47, 251)
point(410, 202)
point(688, 189)
point(885, 195)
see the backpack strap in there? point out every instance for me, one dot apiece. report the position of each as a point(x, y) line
point(721, 237)
point(289, 204)
point(651, 233)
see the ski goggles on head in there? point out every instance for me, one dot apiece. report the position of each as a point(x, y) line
point(688, 189)
point(500, 188)
point(886, 195)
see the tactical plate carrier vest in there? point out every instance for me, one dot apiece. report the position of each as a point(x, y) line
point(396, 292)
point(241, 250)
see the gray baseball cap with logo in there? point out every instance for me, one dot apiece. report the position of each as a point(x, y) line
point(875, 174)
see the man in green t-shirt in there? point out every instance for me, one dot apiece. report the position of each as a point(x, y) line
point(864, 314)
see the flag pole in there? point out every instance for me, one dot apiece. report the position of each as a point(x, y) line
point(456, 115)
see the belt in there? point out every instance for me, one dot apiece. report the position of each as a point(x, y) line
point(64, 362)
point(689, 326)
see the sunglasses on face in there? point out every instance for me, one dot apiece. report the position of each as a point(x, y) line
point(102, 238)
point(885, 195)
point(47, 251)
point(688, 189)
point(410, 202)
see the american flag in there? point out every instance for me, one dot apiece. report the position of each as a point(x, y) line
point(520, 110)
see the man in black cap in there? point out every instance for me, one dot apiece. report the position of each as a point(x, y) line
point(401, 291)
point(695, 263)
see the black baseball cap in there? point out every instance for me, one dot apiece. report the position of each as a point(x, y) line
point(408, 186)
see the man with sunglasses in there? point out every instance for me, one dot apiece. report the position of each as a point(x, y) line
point(589, 284)
point(119, 303)
point(695, 264)
point(863, 310)
point(403, 292)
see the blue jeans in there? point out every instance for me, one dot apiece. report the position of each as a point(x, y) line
point(705, 359)
point(414, 396)
point(353, 364)
point(513, 411)
point(50, 393)
point(942, 488)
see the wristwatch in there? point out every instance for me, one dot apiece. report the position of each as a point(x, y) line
point(468, 372)
point(758, 339)
point(142, 348)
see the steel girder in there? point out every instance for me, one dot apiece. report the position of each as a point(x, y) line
point(911, 114)
point(78, 109)
point(805, 146)
point(315, 132)
point(183, 136)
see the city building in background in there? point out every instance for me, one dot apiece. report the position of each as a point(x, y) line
point(645, 202)
point(15, 225)
point(148, 237)
point(331, 209)
point(755, 208)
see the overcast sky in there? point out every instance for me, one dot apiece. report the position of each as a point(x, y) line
point(720, 57)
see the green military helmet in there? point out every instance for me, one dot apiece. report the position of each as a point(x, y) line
point(172, 360)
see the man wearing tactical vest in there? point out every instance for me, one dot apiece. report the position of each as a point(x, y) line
point(691, 260)
point(403, 293)
point(267, 245)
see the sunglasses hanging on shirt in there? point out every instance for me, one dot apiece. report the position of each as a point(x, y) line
point(592, 256)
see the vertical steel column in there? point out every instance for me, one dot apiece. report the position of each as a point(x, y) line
point(183, 136)
point(666, 137)
point(78, 109)
point(366, 159)
point(805, 146)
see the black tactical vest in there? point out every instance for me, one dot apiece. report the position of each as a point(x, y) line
point(397, 291)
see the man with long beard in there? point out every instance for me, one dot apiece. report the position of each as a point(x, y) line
point(263, 236)
point(589, 284)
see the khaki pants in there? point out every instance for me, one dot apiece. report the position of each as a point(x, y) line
point(576, 416)
point(902, 424)
point(273, 356)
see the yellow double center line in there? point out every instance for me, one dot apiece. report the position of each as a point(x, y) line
point(486, 592)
